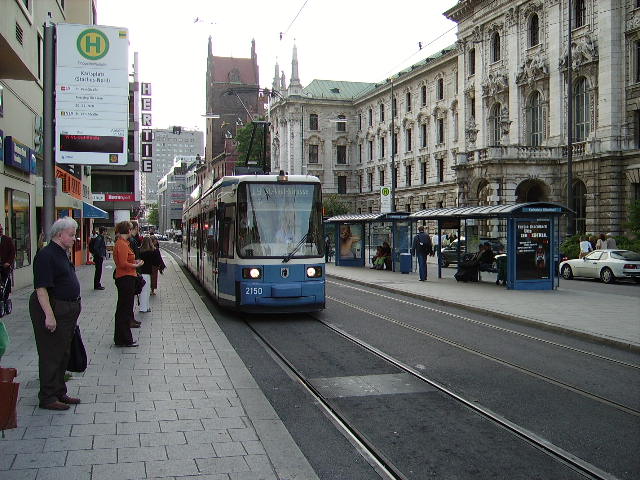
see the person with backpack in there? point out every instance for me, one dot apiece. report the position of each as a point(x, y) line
point(421, 247)
point(98, 248)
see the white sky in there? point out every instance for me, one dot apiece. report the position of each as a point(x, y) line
point(354, 40)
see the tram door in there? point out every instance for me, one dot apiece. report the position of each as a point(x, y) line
point(208, 248)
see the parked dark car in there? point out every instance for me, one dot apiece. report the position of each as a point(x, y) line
point(449, 254)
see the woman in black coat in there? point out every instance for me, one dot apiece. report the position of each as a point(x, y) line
point(150, 254)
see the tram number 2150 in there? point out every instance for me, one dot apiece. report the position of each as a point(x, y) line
point(253, 291)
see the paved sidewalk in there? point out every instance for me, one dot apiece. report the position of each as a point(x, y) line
point(181, 405)
point(596, 315)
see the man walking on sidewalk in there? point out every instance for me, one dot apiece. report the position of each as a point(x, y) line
point(54, 308)
point(99, 252)
point(421, 247)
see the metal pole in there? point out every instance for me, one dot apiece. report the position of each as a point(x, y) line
point(265, 169)
point(570, 220)
point(48, 92)
point(393, 155)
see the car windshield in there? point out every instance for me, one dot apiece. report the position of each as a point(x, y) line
point(626, 255)
point(279, 220)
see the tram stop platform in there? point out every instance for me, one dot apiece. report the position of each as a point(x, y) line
point(182, 404)
point(602, 316)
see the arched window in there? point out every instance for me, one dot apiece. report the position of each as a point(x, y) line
point(382, 112)
point(534, 30)
point(534, 119)
point(581, 110)
point(440, 89)
point(407, 100)
point(579, 205)
point(495, 120)
point(423, 92)
point(495, 47)
point(579, 13)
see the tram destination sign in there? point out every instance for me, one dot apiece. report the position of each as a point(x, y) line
point(92, 94)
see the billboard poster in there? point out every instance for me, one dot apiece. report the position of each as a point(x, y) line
point(532, 249)
point(92, 94)
point(350, 241)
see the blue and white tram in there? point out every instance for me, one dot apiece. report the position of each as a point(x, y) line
point(255, 242)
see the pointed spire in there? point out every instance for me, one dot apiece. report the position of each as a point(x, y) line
point(210, 46)
point(275, 84)
point(295, 87)
point(253, 48)
point(283, 82)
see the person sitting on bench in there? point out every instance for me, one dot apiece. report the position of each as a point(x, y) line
point(486, 258)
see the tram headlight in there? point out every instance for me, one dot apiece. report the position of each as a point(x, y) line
point(253, 273)
point(314, 272)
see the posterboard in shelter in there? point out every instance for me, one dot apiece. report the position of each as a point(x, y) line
point(532, 249)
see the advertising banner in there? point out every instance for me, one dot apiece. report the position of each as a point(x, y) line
point(532, 249)
point(92, 94)
point(350, 241)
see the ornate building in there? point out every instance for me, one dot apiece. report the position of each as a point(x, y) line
point(484, 121)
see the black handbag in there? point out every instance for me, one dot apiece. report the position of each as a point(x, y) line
point(140, 283)
point(78, 355)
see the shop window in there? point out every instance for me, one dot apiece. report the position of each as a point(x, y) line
point(17, 224)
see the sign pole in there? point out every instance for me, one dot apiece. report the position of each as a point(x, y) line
point(49, 171)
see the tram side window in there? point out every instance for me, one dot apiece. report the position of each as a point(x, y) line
point(194, 234)
point(228, 232)
point(211, 233)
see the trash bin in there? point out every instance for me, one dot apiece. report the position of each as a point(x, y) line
point(501, 264)
point(405, 263)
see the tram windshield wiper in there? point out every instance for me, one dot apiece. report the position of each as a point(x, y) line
point(296, 248)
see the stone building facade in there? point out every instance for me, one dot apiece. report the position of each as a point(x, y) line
point(484, 122)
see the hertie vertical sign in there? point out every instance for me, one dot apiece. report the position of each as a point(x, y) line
point(146, 135)
point(92, 94)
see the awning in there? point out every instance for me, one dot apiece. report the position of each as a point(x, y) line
point(91, 211)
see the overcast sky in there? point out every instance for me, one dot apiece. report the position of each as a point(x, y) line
point(354, 40)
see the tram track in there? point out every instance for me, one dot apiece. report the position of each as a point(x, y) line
point(374, 455)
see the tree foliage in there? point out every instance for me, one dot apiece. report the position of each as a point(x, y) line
point(333, 205)
point(243, 137)
point(152, 216)
point(633, 224)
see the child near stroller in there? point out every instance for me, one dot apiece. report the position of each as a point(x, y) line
point(5, 289)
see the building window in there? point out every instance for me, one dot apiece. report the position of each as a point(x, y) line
point(382, 112)
point(440, 167)
point(472, 107)
point(423, 95)
point(359, 153)
point(313, 122)
point(359, 121)
point(408, 143)
point(18, 224)
point(455, 126)
point(534, 119)
point(534, 30)
point(370, 181)
point(341, 151)
point(40, 56)
point(440, 130)
point(637, 63)
point(579, 13)
point(382, 152)
point(407, 100)
point(495, 121)
point(370, 116)
point(579, 205)
point(313, 153)
point(341, 124)
point(342, 185)
point(394, 178)
point(370, 150)
point(359, 183)
point(381, 177)
point(472, 61)
point(394, 145)
point(407, 175)
point(394, 107)
point(581, 110)
point(440, 89)
point(423, 135)
point(423, 173)
point(495, 47)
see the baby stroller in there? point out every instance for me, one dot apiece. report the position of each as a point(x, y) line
point(5, 288)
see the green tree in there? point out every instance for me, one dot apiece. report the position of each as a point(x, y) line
point(152, 216)
point(333, 205)
point(633, 224)
point(243, 137)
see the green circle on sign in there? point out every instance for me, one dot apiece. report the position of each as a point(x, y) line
point(92, 44)
point(386, 191)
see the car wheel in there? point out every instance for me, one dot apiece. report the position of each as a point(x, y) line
point(606, 275)
point(567, 273)
point(445, 264)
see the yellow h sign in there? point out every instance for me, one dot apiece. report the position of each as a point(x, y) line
point(92, 44)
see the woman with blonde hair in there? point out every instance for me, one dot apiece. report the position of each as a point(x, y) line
point(152, 259)
point(125, 275)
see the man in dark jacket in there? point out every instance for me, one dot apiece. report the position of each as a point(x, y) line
point(421, 247)
point(135, 240)
point(99, 252)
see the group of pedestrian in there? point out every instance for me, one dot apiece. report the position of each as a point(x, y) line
point(590, 243)
point(55, 304)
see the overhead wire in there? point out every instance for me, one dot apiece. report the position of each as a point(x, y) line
point(282, 34)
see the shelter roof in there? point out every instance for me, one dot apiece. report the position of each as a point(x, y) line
point(491, 211)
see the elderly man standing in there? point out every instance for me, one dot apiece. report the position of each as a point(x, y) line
point(54, 307)
point(7, 257)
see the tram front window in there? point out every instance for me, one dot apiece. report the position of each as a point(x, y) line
point(277, 219)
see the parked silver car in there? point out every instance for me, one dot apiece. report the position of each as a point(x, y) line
point(607, 265)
